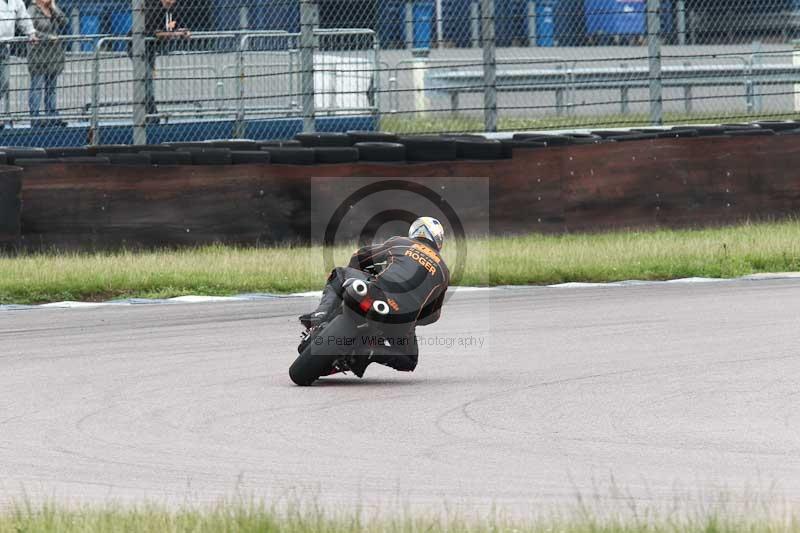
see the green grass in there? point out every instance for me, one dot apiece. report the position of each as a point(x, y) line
point(533, 259)
point(448, 122)
point(646, 255)
point(257, 518)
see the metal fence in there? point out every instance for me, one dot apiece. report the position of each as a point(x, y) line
point(270, 68)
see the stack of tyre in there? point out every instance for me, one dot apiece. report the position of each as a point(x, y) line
point(369, 147)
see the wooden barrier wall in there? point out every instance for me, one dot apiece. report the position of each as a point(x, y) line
point(663, 182)
point(10, 185)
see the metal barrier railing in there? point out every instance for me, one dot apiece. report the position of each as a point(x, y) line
point(567, 78)
point(15, 104)
point(233, 75)
point(418, 70)
point(226, 62)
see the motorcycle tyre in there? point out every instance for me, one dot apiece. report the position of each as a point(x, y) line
point(310, 366)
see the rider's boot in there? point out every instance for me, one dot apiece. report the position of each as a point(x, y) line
point(329, 302)
point(358, 364)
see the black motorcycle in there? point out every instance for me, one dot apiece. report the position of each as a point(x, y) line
point(330, 347)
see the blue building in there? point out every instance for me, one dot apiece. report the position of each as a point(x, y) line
point(558, 22)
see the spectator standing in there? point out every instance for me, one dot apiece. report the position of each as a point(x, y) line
point(161, 25)
point(46, 57)
point(12, 15)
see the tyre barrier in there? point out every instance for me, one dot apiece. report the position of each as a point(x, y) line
point(313, 140)
point(124, 158)
point(249, 157)
point(738, 126)
point(430, 148)
point(129, 149)
point(749, 132)
point(90, 160)
point(208, 155)
point(677, 134)
point(632, 137)
point(548, 140)
point(13, 154)
point(381, 152)
point(168, 158)
point(776, 125)
point(290, 155)
point(332, 155)
point(68, 152)
point(370, 146)
point(357, 137)
point(237, 145)
point(475, 149)
point(703, 131)
point(509, 145)
point(281, 144)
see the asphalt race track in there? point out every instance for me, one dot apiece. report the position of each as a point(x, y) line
point(533, 396)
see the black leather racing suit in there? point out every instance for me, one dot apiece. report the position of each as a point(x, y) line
point(414, 278)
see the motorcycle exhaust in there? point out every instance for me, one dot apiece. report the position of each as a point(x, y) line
point(380, 307)
point(357, 290)
point(356, 287)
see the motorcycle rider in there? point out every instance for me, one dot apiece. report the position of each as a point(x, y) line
point(414, 279)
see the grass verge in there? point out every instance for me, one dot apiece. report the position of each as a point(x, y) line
point(256, 518)
point(533, 259)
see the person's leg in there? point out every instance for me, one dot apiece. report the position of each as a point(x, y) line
point(149, 85)
point(331, 295)
point(50, 85)
point(34, 94)
point(401, 355)
point(399, 361)
point(4, 81)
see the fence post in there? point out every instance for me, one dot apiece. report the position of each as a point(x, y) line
point(409, 24)
point(755, 60)
point(75, 24)
point(475, 24)
point(796, 61)
point(376, 81)
point(654, 55)
point(532, 37)
point(139, 72)
point(681, 22)
point(244, 18)
point(308, 22)
point(5, 74)
point(489, 66)
point(439, 24)
point(624, 95)
point(238, 126)
point(94, 128)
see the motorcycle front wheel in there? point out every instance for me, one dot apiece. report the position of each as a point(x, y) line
point(317, 358)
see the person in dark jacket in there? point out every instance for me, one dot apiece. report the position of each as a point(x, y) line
point(45, 56)
point(414, 279)
point(161, 25)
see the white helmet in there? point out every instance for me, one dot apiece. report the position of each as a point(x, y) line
point(427, 228)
